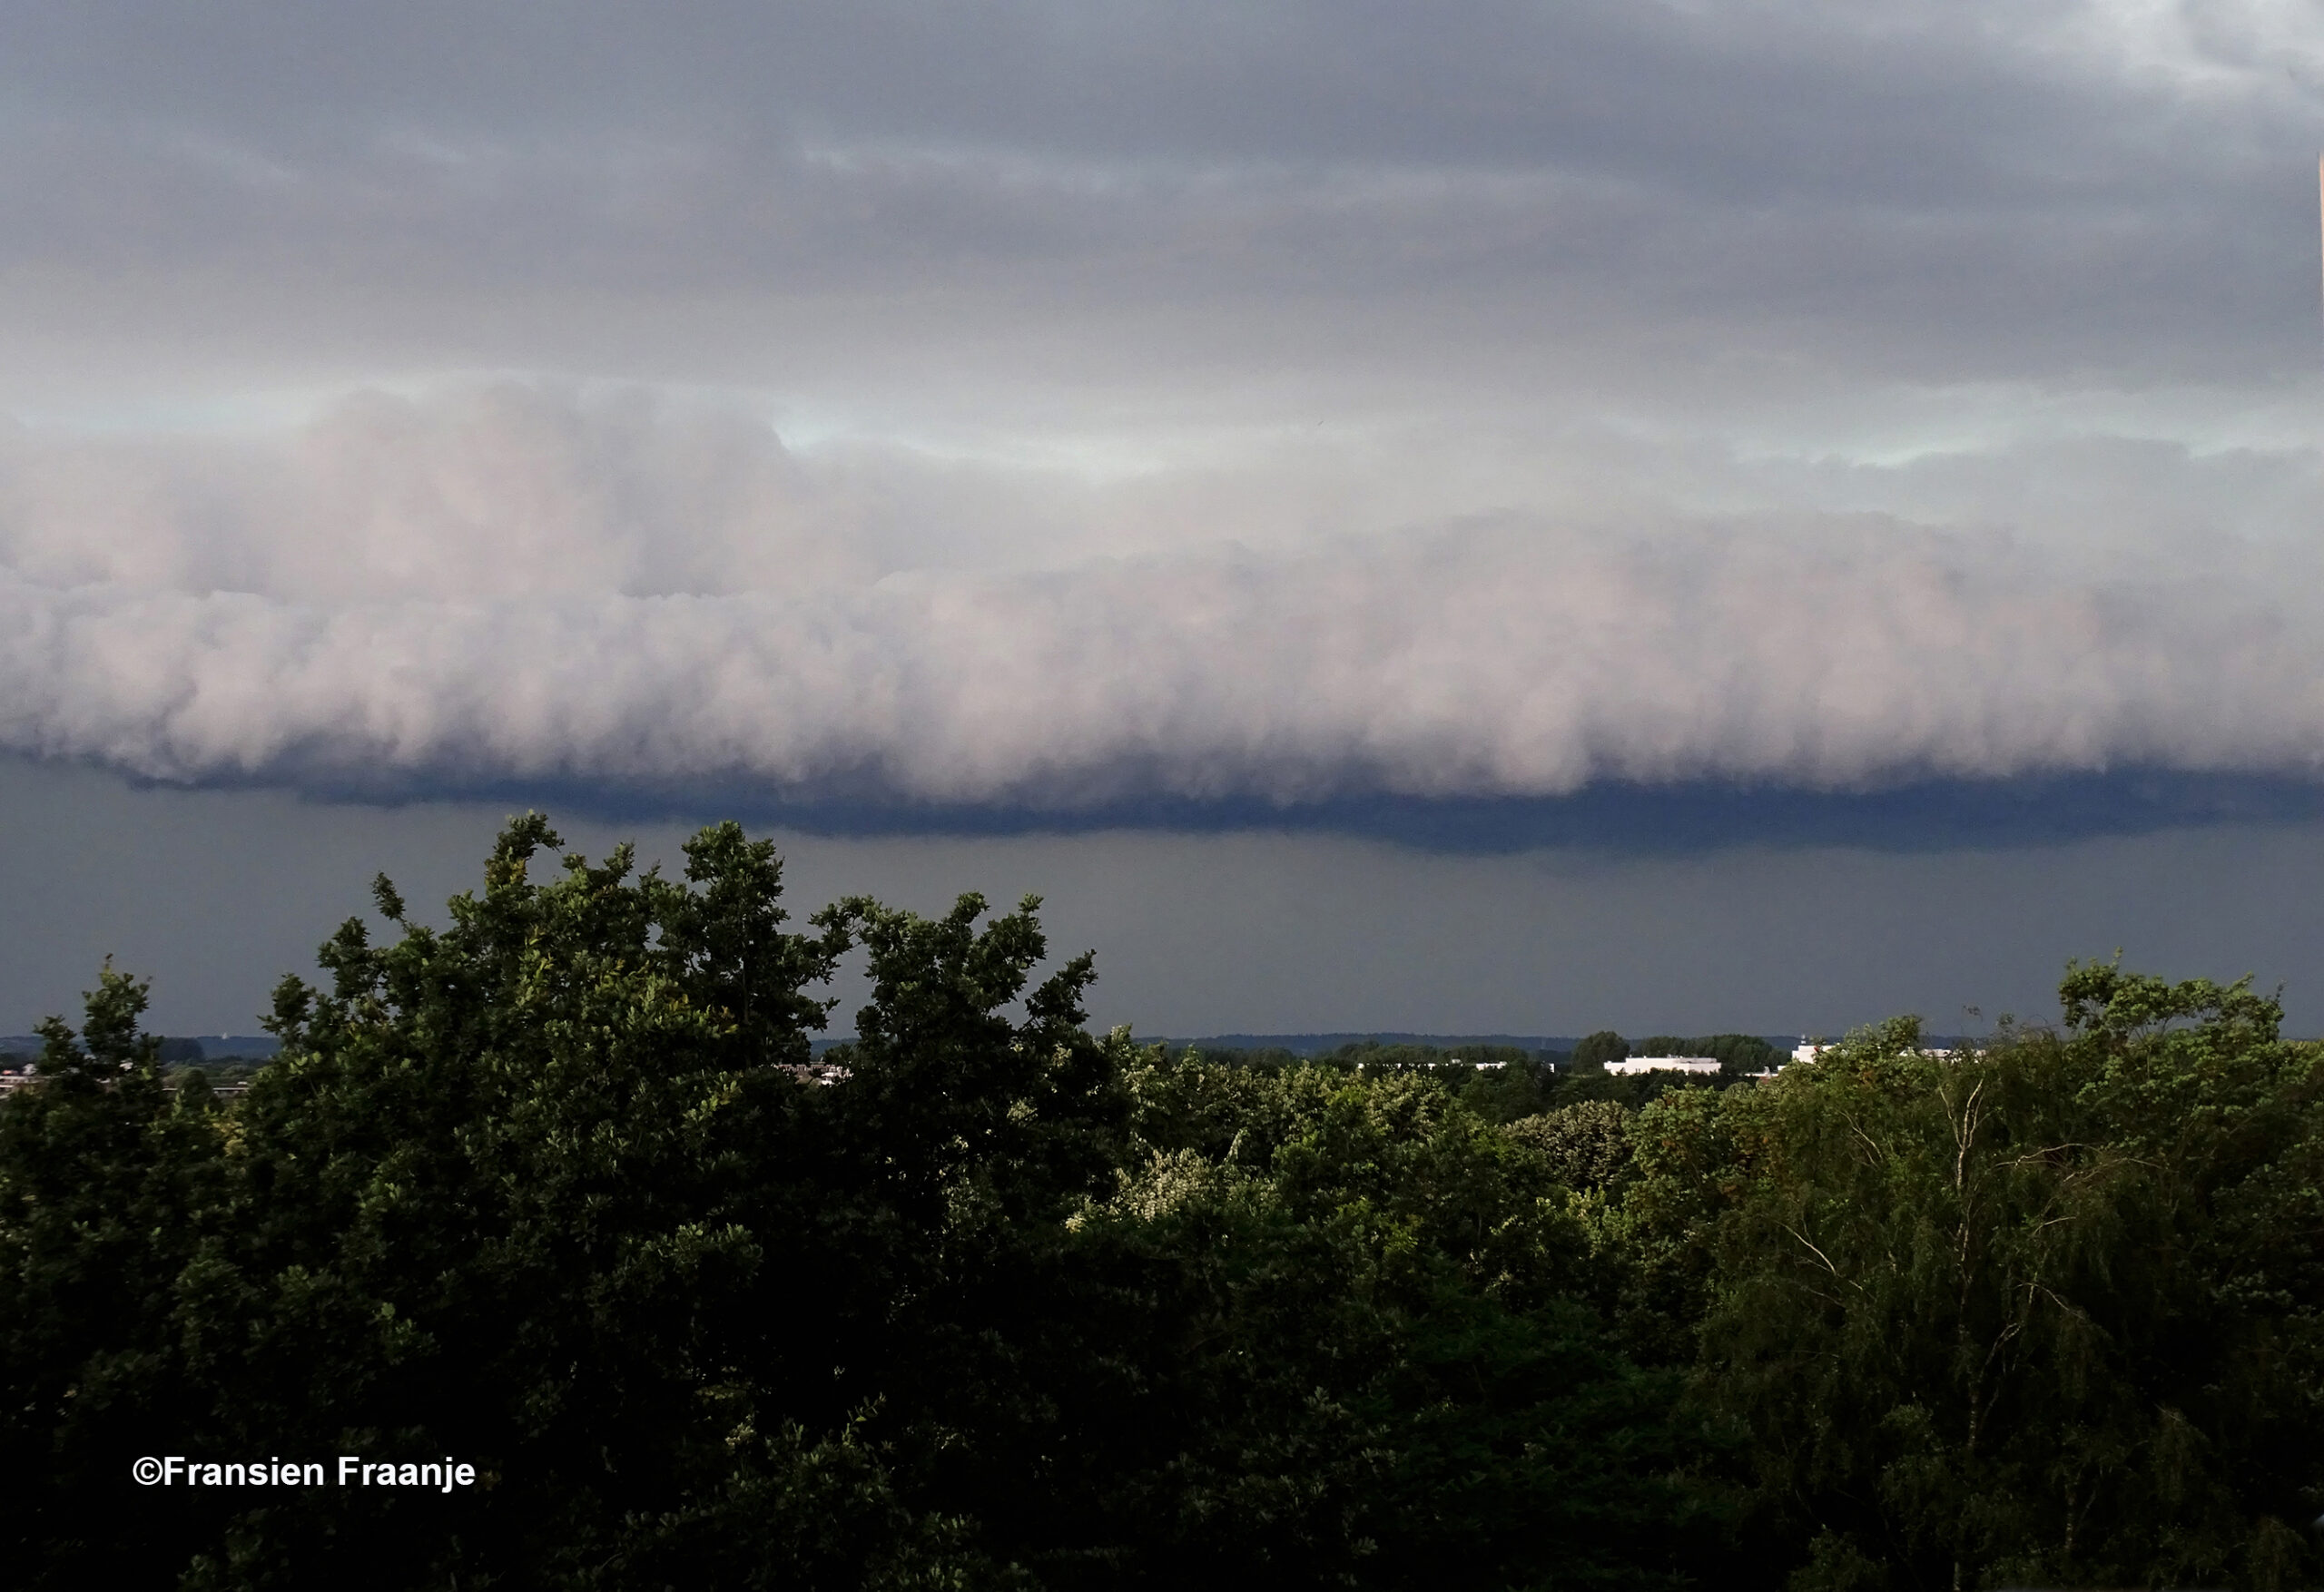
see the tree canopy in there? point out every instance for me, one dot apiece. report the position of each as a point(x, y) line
point(978, 1299)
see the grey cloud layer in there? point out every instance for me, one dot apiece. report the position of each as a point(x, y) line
point(509, 587)
point(2059, 192)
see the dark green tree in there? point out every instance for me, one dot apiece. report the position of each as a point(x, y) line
point(974, 1299)
point(2046, 1313)
point(1593, 1051)
point(99, 1179)
point(1586, 1145)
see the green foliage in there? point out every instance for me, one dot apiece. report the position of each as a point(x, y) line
point(97, 1175)
point(1519, 1087)
point(1587, 1144)
point(552, 1189)
point(1269, 1055)
point(556, 1190)
point(1593, 1051)
point(213, 1073)
point(2046, 1314)
point(1387, 1297)
point(1635, 1091)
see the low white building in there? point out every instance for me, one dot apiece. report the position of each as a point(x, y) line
point(1810, 1051)
point(1665, 1064)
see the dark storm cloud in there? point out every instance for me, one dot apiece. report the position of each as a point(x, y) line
point(1931, 193)
point(1771, 98)
point(216, 894)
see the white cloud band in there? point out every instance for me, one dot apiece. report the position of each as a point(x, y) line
point(509, 588)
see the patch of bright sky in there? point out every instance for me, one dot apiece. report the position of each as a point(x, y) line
point(1900, 424)
point(1092, 456)
point(2194, 48)
point(806, 425)
point(1889, 428)
point(1120, 448)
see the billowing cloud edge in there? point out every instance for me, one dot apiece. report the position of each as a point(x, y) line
point(511, 590)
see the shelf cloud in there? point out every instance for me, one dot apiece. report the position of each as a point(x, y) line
point(512, 584)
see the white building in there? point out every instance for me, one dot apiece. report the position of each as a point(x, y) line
point(1810, 1051)
point(1665, 1064)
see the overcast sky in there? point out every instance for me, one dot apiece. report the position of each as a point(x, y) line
point(1245, 443)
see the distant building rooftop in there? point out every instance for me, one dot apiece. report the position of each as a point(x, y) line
point(814, 1072)
point(1665, 1064)
point(1935, 1052)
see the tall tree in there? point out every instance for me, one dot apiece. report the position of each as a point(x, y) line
point(1593, 1051)
point(2042, 1313)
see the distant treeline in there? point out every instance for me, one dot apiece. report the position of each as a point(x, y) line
point(1502, 1083)
point(991, 1302)
point(1310, 1047)
point(239, 1051)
